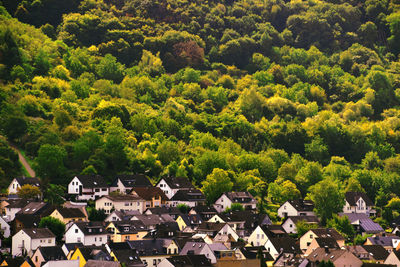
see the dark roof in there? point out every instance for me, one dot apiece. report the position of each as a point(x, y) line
point(28, 220)
point(17, 203)
point(189, 260)
point(302, 205)
point(320, 254)
point(204, 209)
point(132, 180)
point(129, 227)
point(385, 241)
point(153, 219)
point(192, 220)
point(28, 180)
point(102, 263)
point(124, 215)
point(164, 210)
point(72, 246)
point(149, 247)
point(52, 253)
point(91, 228)
point(14, 261)
point(368, 264)
point(240, 197)
point(177, 182)
point(70, 212)
point(308, 219)
point(36, 233)
point(189, 195)
point(95, 253)
point(352, 197)
point(34, 208)
point(377, 252)
point(165, 230)
point(272, 230)
point(148, 193)
point(327, 232)
point(128, 257)
point(214, 227)
point(369, 226)
point(285, 245)
point(326, 242)
point(92, 180)
point(122, 198)
point(252, 252)
point(396, 221)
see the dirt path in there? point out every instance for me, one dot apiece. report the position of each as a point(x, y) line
point(24, 162)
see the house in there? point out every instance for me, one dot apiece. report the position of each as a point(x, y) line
point(87, 233)
point(84, 254)
point(153, 196)
point(5, 229)
point(290, 223)
point(297, 207)
point(69, 248)
point(306, 239)
point(174, 212)
point(189, 197)
point(186, 261)
point(371, 253)
point(186, 220)
point(30, 215)
point(201, 248)
point(27, 240)
point(363, 224)
point(121, 231)
point(215, 229)
point(12, 262)
point(101, 263)
point(321, 242)
point(393, 258)
point(120, 202)
point(69, 263)
point(121, 215)
point(357, 202)
point(278, 245)
point(151, 221)
point(251, 254)
point(17, 183)
point(168, 230)
point(388, 242)
point(228, 198)
point(67, 215)
point(262, 233)
point(152, 252)
point(339, 257)
point(85, 187)
point(204, 211)
point(127, 257)
point(13, 207)
point(290, 259)
point(171, 185)
point(45, 254)
point(124, 183)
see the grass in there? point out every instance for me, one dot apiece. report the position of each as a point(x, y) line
point(25, 172)
point(28, 159)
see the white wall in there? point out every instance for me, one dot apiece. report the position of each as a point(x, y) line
point(74, 235)
point(13, 187)
point(222, 203)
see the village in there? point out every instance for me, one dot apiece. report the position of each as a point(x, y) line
point(169, 224)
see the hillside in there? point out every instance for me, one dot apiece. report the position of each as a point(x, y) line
point(269, 96)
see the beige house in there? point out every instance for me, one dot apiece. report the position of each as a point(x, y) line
point(121, 202)
point(393, 258)
point(318, 242)
point(307, 238)
point(67, 215)
point(339, 257)
point(29, 239)
point(46, 254)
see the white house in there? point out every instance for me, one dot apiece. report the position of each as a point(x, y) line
point(121, 215)
point(357, 202)
point(307, 238)
point(87, 233)
point(29, 239)
point(121, 202)
point(125, 182)
point(86, 187)
point(171, 185)
point(213, 229)
point(202, 248)
point(278, 245)
point(227, 199)
point(17, 183)
point(4, 228)
point(189, 197)
point(262, 233)
point(297, 207)
point(290, 223)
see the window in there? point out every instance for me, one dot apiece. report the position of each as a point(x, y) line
point(100, 239)
point(104, 189)
point(290, 225)
point(78, 240)
point(97, 190)
point(127, 237)
point(311, 236)
point(95, 239)
point(258, 236)
point(36, 258)
point(154, 262)
point(49, 241)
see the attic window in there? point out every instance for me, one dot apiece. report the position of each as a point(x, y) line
point(95, 183)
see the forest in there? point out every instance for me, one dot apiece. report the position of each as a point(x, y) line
point(281, 98)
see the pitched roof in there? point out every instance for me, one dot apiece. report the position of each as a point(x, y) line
point(17, 203)
point(386, 241)
point(34, 208)
point(272, 230)
point(95, 253)
point(177, 182)
point(52, 253)
point(189, 260)
point(211, 226)
point(124, 214)
point(240, 197)
point(200, 209)
point(28, 220)
point(70, 212)
point(92, 181)
point(353, 197)
point(164, 210)
point(148, 193)
point(129, 227)
point(252, 252)
point(354, 216)
point(36, 233)
point(153, 219)
point(193, 219)
point(128, 257)
point(165, 230)
point(91, 228)
point(302, 205)
point(122, 198)
point(149, 247)
point(195, 248)
point(132, 180)
point(320, 254)
point(376, 251)
point(285, 245)
point(327, 232)
point(28, 180)
point(369, 226)
point(326, 242)
point(189, 195)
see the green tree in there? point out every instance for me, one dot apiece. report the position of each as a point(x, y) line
point(56, 226)
point(109, 69)
point(50, 163)
point(234, 207)
point(55, 194)
point(303, 227)
point(215, 184)
point(328, 199)
point(167, 152)
point(342, 225)
point(28, 191)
